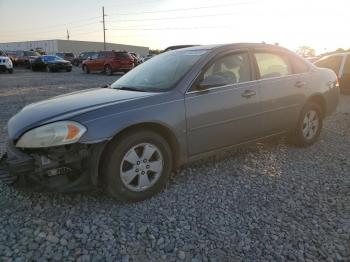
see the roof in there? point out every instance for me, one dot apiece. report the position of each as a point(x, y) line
point(235, 45)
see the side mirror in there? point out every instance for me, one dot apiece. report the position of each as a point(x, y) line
point(212, 81)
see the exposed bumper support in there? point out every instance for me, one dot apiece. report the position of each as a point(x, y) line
point(63, 169)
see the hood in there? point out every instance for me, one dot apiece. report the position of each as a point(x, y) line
point(67, 106)
point(58, 61)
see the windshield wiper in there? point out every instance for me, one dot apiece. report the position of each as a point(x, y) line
point(130, 88)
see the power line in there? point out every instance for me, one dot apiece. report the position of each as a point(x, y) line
point(175, 18)
point(171, 28)
point(182, 9)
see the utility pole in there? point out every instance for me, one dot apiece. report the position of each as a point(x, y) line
point(67, 34)
point(104, 28)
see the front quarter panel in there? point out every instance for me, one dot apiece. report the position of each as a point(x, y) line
point(164, 109)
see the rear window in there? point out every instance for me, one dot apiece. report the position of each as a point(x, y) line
point(122, 54)
point(331, 62)
point(69, 54)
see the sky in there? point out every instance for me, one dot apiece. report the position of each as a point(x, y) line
point(322, 24)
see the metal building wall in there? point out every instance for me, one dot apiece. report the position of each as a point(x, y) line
point(50, 46)
point(80, 46)
point(76, 47)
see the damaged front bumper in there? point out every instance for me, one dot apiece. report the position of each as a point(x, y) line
point(64, 168)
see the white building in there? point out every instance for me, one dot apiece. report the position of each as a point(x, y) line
point(76, 47)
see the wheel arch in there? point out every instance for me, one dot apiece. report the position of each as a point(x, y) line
point(158, 128)
point(320, 101)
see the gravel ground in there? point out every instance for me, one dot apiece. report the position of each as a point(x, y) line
point(268, 201)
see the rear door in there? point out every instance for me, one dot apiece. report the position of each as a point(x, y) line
point(225, 115)
point(100, 61)
point(282, 91)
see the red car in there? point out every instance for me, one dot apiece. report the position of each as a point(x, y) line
point(109, 62)
point(23, 58)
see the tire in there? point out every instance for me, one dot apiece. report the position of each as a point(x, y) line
point(108, 70)
point(309, 125)
point(69, 70)
point(5, 177)
point(86, 69)
point(115, 165)
point(10, 71)
point(48, 69)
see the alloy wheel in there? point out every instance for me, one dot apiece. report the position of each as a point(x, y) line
point(310, 124)
point(141, 167)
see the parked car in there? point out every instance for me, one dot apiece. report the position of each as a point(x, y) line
point(148, 57)
point(109, 62)
point(11, 55)
point(66, 56)
point(83, 56)
point(340, 64)
point(5, 63)
point(175, 108)
point(23, 58)
point(137, 59)
point(51, 63)
point(175, 47)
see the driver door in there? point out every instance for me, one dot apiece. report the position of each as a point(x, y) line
point(224, 115)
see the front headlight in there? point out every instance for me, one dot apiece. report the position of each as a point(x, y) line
point(54, 134)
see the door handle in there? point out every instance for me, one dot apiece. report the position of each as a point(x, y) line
point(299, 84)
point(248, 93)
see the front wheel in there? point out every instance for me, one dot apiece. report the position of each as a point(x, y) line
point(86, 69)
point(137, 165)
point(309, 125)
point(108, 70)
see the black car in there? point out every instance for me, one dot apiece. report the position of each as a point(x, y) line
point(66, 56)
point(51, 63)
point(83, 56)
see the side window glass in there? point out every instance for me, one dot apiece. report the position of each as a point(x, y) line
point(95, 56)
point(272, 65)
point(347, 65)
point(234, 68)
point(102, 55)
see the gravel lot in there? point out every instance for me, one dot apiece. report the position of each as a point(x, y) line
point(268, 201)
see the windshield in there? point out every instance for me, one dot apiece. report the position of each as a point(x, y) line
point(30, 53)
point(161, 72)
point(49, 58)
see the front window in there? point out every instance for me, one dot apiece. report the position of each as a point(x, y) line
point(50, 58)
point(160, 73)
point(234, 68)
point(30, 53)
point(272, 65)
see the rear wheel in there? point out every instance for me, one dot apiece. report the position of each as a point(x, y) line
point(108, 70)
point(309, 125)
point(137, 165)
point(86, 69)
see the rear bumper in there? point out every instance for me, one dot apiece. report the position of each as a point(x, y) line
point(63, 169)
